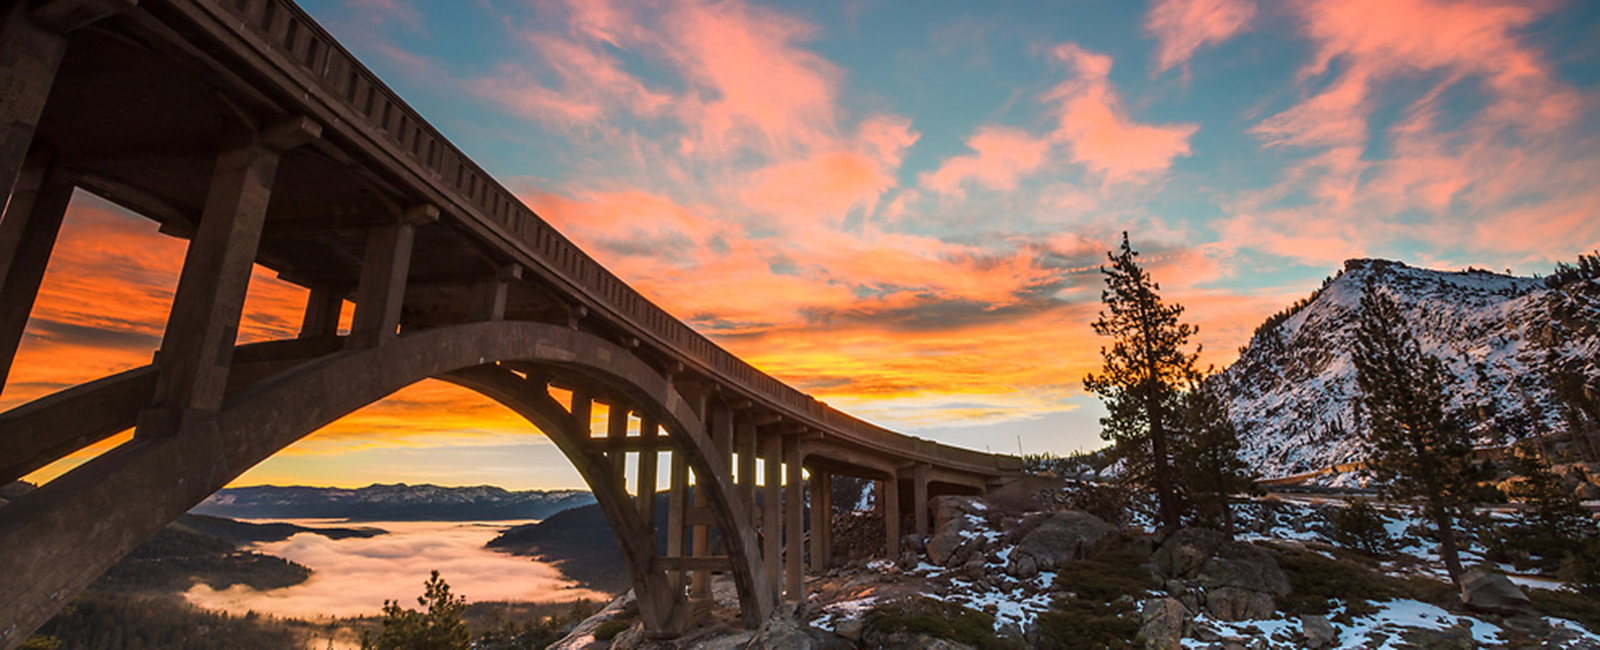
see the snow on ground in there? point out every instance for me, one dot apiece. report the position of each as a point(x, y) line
point(1384, 629)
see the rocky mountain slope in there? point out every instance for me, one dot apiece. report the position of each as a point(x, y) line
point(396, 502)
point(1293, 391)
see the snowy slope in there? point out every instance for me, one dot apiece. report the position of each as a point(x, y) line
point(1293, 389)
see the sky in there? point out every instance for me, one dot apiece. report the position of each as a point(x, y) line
point(902, 208)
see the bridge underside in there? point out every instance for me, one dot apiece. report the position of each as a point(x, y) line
point(244, 128)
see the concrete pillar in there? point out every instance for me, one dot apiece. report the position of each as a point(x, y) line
point(889, 500)
point(821, 517)
point(382, 288)
point(27, 236)
point(29, 57)
point(794, 507)
point(616, 436)
point(650, 433)
point(489, 294)
point(772, 510)
point(197, 347)
point(700, 535)
point(323, 308)
point(677, 502)
point(746, 443)
point(919, 498)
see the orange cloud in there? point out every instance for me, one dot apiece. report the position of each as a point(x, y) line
point(1003, 155)
point(1183, 26)
point(1102, 135)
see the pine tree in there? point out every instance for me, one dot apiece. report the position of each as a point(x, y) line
point(1207, 465)
point(1554, 521)
point(1140, 381)
point(1417, 449)
point(438, 628)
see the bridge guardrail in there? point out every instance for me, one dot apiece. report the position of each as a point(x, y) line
point(287, 30)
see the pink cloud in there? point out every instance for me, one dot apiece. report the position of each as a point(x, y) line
point(1183, 26)
point(1102, 135)
point(753, 85)
point(1003, 155)
point(1487, 164)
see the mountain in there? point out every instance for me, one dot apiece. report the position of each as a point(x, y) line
point(580, 543)
point(397, 502)
point(1502, 339)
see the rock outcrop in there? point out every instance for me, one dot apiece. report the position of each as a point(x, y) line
point(1232, 580)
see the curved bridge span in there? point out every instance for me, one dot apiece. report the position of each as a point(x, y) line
point(245, 128)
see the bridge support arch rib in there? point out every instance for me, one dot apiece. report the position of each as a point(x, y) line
point(62, 536)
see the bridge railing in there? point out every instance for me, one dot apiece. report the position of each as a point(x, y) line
point(286, 30)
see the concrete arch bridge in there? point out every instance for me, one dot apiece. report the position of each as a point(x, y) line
point(244, 128)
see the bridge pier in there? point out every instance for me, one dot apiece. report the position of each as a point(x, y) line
point(29, 57)
point(919, 499)
point(196, 349)
point(794, 507)
point(821, 519)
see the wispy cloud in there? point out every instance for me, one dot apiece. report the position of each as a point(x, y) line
point(1182, 27)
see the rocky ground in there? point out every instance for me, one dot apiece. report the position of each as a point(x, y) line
point(995, 575)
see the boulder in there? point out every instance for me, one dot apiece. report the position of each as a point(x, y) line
point(782, 631)
point(1022, 567)
point(1060, 538)
point(1164, 620)
point(1587, 492)
point(1492, 592)
point(946, 508)
point(1317, 633)
point(946, 539)
point(1237, 581)
point(1183, 552)
point(1238, 604)
point(1245, 566)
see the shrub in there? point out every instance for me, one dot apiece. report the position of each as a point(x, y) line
point(610, 629)
point(1108, 501)
point(1361, 528)
point(935, 618)
point(1321, 583)
point(1100, 610)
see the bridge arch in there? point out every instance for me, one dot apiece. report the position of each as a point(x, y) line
point(61, 537)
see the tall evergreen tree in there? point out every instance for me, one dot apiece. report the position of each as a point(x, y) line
point(1207, 465)
point(1140, 381)
point(1417, 449)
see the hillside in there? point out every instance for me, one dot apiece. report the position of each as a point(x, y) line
point(396, 502)
point(1502, 338)
point(580, 543)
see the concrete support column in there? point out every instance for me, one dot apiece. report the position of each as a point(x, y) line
point(677, 503)
point(27, 236)
point(772, 510)
point(746, 442)
point(29, 57)
point(323, 308)
point(700, 534)
point(889, 501)
point(616, 436)
point(794, 508)
point(382, 288)
point(919, 498)
point(197, 347)
point(489, 294)
point(649, 458)
point(821, 517)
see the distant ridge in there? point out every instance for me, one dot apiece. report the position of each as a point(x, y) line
point(1293, 391)
point(390, 502)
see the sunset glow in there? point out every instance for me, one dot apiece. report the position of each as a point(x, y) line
point(901, 208)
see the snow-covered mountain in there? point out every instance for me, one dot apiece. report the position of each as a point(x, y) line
point(1293, 389)
point(395, 502)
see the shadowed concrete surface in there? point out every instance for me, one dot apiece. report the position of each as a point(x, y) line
point(244, 128)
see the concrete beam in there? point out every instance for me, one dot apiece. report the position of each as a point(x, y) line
point(324, 306)
point(772, 511)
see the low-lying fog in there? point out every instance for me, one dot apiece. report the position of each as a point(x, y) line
point(352, 577)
